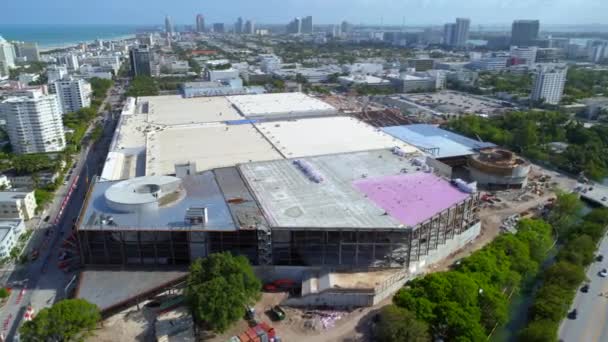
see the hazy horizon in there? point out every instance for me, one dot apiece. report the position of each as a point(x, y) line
point(369, 12)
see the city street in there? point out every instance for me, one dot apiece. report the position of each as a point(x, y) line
point(591, 325)
point(41, 282)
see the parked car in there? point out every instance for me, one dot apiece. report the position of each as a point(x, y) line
point(573, 314)
point(599, 257)
point(585, 288)
point(603, 273)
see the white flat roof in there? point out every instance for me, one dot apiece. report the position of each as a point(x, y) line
point(272, 105)
point(176, 110)
point(317, 136)
point(209, 146)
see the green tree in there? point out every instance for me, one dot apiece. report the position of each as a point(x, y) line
point(142, 86)
point(4, 292)
point(565, 212)
point(539, 331)
point(219, 287)
point(67, 320)
point(400, 325)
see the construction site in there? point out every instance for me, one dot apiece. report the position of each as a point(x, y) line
point(343, 210)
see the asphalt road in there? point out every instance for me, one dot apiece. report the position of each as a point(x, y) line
point(41, 283)
point(591, 324)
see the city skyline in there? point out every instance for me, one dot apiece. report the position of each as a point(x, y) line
point(388, 12)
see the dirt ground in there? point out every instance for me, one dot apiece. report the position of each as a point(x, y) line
point(305, 325)
point(129, 325)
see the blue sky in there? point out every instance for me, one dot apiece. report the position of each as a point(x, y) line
point(415, 12)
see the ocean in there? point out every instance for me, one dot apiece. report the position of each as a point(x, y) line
point(51, 36)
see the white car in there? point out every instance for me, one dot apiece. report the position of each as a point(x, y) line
point(603, 273)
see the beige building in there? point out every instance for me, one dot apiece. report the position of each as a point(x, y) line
point(17, 205)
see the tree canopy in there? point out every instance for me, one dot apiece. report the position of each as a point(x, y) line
point(530, 133)
point(142, 86)
point(400, 325)
point(219, 287)
point(465, 304)
point(67, 320)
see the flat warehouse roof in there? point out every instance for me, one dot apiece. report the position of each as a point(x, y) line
point(209, 146)
point(291, 199)
point(316, 136)
point(281, 104)
point(176, 110)
point(431, 137)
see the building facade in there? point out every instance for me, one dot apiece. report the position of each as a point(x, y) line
point(34, 122)
point(73, 94)
point(27, 50)
point(524, 32)
point(7, 57)
point(549, 84)
point(307, 25)
point(55, 73)
point(10, 231)
point(140, 58)
point(200, 23)
point(17, 205)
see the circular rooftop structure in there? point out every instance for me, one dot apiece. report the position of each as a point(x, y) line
point(144, 193)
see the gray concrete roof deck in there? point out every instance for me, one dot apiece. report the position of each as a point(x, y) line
point(243, 206)
point(201, 191)
point(290, 199)
point(108, 288)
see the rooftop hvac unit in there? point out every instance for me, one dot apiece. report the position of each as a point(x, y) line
point(197, 216)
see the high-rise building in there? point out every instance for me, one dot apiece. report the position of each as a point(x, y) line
point(168, 26)
point(448, 33)
point(238, 26)
point(219, 28)
point(456, 34)
point(345, 27)
point(462, 32)
point(524, 32)
point(70, 61)
point(200, 23)
point(73, 94)
point(307, 25)
point(549, 84)
point(140, 58)
point(295, 26)
point(7, 57)
point(55, 73)
point(249, 27)
point(34, 123)
point(27, 50)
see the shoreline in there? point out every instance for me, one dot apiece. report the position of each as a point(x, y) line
point(68, 45)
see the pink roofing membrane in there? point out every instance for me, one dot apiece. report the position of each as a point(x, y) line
point(411, 198)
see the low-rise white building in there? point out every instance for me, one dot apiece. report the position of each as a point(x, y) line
point(27, 78)
point(56, 73)
point(225, 74)
point(17, 205)
point(10, 231)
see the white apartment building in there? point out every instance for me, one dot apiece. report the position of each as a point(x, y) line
point(10, 231)
point(525, 53)
point(33, 122)
point(55, 73)
point(549, 84)
point(17, 205)
point(270, 63)
point(7, 57)
point(73, 94)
